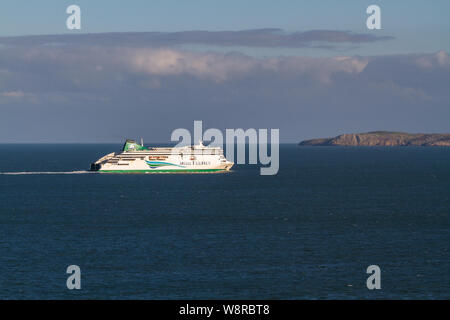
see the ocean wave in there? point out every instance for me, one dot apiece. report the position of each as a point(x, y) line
point(45, 172)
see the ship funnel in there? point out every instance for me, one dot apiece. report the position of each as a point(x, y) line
point(131, 145)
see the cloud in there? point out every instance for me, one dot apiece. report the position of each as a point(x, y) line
point(17, 96)
point(321, 69)
point(440, 59)
point(224, 66)
point(79, 66)
point(271, 38)
point(97, 67)
point(13, 94)
point(174, 62)
point(57, 89)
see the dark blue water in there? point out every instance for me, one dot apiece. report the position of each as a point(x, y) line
point(309, 232)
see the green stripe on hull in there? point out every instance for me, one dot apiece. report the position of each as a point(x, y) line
point(161, 171)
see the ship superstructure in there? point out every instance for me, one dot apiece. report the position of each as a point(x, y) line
point(136, 158)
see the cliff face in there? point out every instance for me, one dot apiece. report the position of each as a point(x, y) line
point(382, 138)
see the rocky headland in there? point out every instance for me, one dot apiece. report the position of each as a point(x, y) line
point(383, 138)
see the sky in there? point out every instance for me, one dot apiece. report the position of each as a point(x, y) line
point(144, 68)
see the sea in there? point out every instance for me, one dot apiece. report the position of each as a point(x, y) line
point(309, 232)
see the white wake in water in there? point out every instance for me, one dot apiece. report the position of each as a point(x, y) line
point(48, 172)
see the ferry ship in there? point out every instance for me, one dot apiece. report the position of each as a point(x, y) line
point(135, 158)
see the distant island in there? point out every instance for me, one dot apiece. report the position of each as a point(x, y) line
point(382, 138)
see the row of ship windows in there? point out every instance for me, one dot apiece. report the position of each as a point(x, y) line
point(197, 163)
point(177, 154)
point(132, 159)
